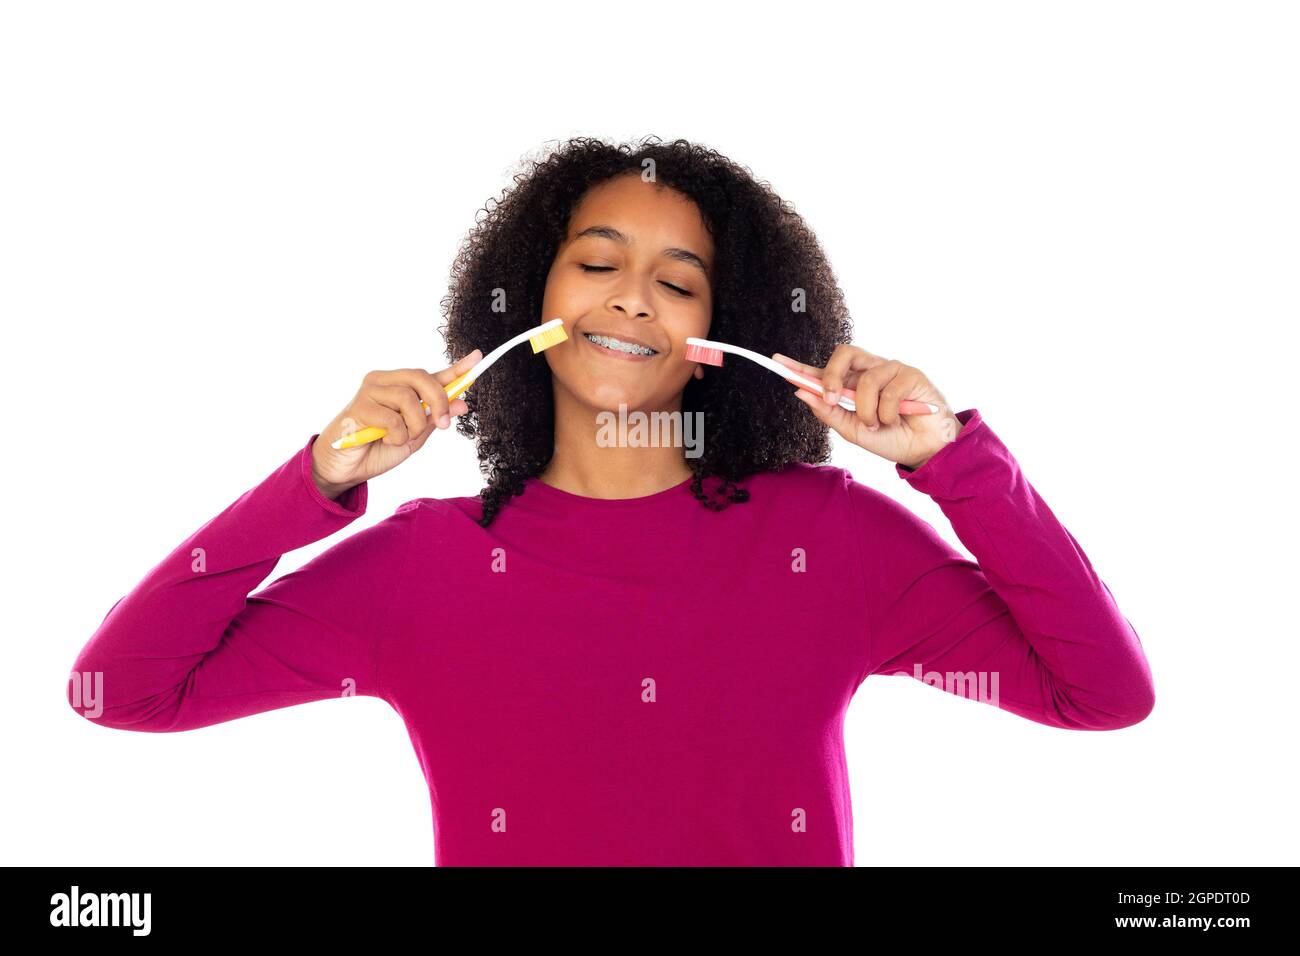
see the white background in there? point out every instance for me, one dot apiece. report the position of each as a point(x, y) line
point(1079, 218)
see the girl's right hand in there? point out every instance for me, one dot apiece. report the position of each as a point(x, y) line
point(389, 400)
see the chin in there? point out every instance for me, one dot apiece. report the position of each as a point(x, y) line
point(610, 397)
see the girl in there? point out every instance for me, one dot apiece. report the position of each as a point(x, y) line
point(620, 653)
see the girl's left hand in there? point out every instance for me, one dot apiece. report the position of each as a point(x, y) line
point(880, 384)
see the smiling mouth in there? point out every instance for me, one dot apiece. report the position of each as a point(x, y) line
point(609, 343)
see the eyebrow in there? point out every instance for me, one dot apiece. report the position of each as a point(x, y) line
point(609, 232)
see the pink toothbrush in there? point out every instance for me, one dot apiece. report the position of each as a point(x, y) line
point(708, 352)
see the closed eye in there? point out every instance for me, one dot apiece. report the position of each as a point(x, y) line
point(588, 268)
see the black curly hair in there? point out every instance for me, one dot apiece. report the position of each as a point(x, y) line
point(764, 254)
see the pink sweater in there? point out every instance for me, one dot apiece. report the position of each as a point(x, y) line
point(631, 682)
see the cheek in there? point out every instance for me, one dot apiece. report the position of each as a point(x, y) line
point(694, 323)
point(563, 287)
point(553, 292)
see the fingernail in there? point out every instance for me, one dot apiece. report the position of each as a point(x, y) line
point(872, 428)
point(444, 421)
point(832, 397)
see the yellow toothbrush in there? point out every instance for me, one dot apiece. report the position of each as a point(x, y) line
point(541, 338)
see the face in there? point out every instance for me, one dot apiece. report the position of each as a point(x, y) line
point(634, 266)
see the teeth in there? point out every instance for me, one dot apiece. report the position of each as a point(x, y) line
point(620, 346)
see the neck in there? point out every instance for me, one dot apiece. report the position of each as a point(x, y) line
point(586, 463)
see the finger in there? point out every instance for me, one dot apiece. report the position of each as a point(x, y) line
point(417, 443)
point(835, 416)
point(454, 408)
point(463, 365)
point(811, 371)
point(381, 416)
point(846, 359)
point(450, 374)
point(432, 394)
point(406, 401)
point(429, 386)
point(815, 374)
point(894, 391)
point(870, 384)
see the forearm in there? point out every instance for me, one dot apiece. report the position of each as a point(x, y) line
point(1030, 608)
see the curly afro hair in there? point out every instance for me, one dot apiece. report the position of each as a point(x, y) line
point(767, 262)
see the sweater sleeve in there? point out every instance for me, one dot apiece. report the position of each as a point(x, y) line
point(1029, 621)
point(189, 647)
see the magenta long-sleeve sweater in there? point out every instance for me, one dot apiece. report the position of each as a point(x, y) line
point(628, 682)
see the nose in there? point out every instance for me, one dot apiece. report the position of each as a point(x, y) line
point(630, 300)
point(632, 311)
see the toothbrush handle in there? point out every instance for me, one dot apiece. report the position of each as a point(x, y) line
point(847, 397)
point(373, 433)
point(458, 388)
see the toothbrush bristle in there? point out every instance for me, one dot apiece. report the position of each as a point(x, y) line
point(544, 340)
point(703, 355)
